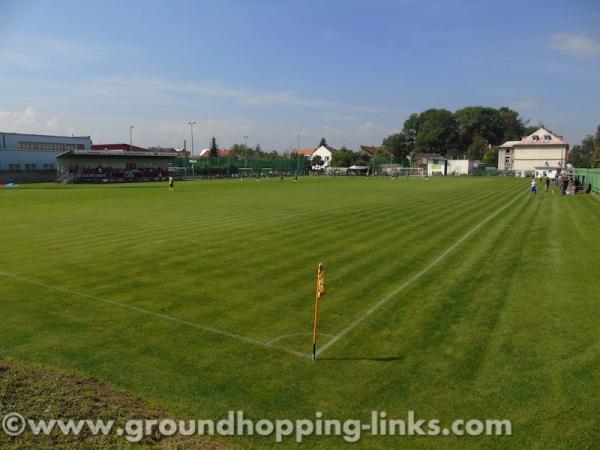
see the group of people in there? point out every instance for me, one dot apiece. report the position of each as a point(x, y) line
point(117, 174)
point(561, 180)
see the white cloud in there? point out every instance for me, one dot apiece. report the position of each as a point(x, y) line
point(338, 117)
point(27, 54)
point(28, 121)
point(52, 124)
point(160, 109)
point(575, 44)
point(148, 131)
point(18, 121)
point(367, 128)
point(124, 87)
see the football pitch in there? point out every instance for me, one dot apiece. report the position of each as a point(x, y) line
point(456, 298)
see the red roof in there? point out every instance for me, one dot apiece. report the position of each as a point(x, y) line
point(205, 153)
point(369, 149)
point(305, 151)
point(123, 147)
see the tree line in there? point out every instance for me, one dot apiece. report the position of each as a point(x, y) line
point(473, 132)
point(587, 154)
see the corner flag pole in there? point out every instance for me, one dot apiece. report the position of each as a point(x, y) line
point(320, 291)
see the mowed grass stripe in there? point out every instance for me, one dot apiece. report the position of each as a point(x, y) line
point(124, 234)
point(142, 311)
point(460, 338)
point(247, 308)
point(394, 292)
point(352, 284)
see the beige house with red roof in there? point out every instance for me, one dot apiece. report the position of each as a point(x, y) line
point(542, 149)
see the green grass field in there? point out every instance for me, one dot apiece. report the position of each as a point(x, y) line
point(201, 300)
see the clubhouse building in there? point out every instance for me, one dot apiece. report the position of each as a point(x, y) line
point(37, 157)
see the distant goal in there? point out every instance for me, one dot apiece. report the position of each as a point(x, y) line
point(409, 172)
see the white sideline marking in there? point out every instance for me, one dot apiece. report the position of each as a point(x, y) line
point(157, 315)
point(301, 333)
point(412, 279)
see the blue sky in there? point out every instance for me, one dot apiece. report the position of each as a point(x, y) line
point(351, 71)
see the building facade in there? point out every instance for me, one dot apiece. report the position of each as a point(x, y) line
point(459, 166)
point(324, 152)
point(36, 152)
point(538, 150)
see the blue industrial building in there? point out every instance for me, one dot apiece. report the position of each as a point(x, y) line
point(36, 152)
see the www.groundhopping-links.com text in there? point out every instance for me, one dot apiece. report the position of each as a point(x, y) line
point(235, 424)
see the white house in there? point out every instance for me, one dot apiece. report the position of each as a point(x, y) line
point(539, 149)
point(324, 151)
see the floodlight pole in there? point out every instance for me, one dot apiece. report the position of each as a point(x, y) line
point(298, 154)
point(245, 151)
point(192, 133)
point(131, 137)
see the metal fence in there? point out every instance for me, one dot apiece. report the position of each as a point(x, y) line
point(589, 177)
point(232, 166)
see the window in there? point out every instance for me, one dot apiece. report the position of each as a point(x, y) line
point(14, 167)
point(508, 152)
point(547, 137)
point(48, 166)
point(55, 146)
point(30, 166)
point(535, 138)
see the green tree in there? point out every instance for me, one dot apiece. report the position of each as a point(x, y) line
point(529, 129)
point(317, 161)
point(479, 123)
point(214, 148)
point(381, 156)
point(581, 154)
point(468, 130)
point(305, 164)
point(490, 157)
point(437, 132)
point(410, 131)
point(343, 158)
point(397, 144)
point(477, 148)
point(512, 125)
point(596, 155)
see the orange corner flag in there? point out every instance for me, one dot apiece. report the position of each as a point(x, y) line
point(321, 281)
point(320, 293)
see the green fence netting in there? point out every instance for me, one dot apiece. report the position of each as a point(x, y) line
point(589, 176)
point(237, 165)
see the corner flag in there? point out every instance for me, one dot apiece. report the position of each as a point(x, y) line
point(320, 293)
